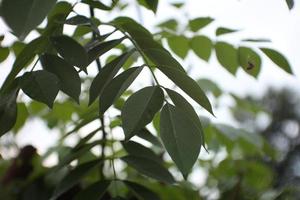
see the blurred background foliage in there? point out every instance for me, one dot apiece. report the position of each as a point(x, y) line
point(256, 158)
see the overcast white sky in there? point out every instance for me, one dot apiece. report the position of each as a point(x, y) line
point(256, 18)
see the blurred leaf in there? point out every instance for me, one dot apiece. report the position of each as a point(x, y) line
point(227, 56)
point(73, 177)
point(256, 40)
point(94, 191)
point(181, 137)
point(171, 24)
point(150, 4)
point(278, 59)
point(96, 4)
point(141, 192)
point(290, 4)
point(202, 46)
point(223, 30)
point(199, 23)
point(155, 122)
point(76, 153)
point(179, 45)
point(116, 87)
point(249, 60)
point(71, 51)
point(149, 168)
point(177, 5)
point(36, 46)
point(22, 16)
point(56, 65)
point(17, 47)
point(80, 31)
point(58, 14)
point(4, 52)
point(21, 117)
point(140, 108)
point(85, 139)
point(40, 85)
point(8, 109)
point(105, 75)
point(209, 86)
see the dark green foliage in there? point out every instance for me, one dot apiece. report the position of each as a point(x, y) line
point(69, 79)
point(40, 85)
point(104, 163)
point(23, 16)
point(140, 109)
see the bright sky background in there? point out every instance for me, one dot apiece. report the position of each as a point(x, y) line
point(256, 18)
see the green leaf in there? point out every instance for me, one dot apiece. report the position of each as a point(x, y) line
point(227, 56)
point(171, 24)
point(8, 109)
point(202, 46)
point(209, 86)
point(96, 4)
point(71, 51)
point(17, 47)
point(78, 20)
point(179, 45)
point(249, 60)
point(22, 16)
point(58, 14)
point(278, 59)
point(177, 5)
point(134, 29)
point(94, 191)
point(181, 137)
point(85, 139)
point(90, 25)
point(106, 74)
point(290, 4)
point(4, 52)
point(180, 102)
point(149, 168)
point(69, 79)
point(73, 177)
point(21, 117)
point(223, 30)
point(76, 153)
point(143, 40)
point(99, 48)
point(36, 46)
point(116, 87)
point(141, 192)
point(163, 58)
point(256, 40)
point(140, 108)
point(146, 135)
point(138, 150)
point(188, 85)
point(40, 85)
point(150, 4)
point(199, 23)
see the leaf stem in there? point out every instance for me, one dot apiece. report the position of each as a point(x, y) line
point(36, 62)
